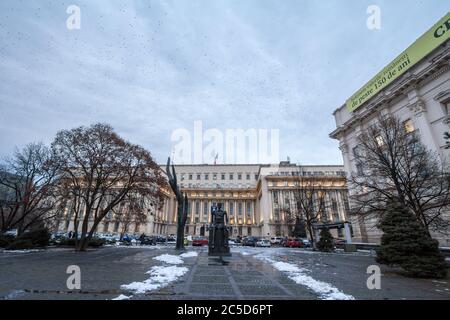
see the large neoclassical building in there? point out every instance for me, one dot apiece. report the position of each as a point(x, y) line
point(259, 199)
point(419, 96)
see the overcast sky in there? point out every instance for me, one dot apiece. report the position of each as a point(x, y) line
point(151, 67)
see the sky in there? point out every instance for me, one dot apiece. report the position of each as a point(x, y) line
point(150, 68)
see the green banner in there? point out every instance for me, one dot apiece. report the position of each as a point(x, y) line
point(433, 38)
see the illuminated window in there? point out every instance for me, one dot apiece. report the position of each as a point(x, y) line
point(379, 140)
point(409, 126)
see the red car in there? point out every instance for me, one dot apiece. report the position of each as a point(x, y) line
point(199, 241)
point(294, 243)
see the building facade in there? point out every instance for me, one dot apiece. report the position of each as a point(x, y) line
point(259, 200)
point(420, 98)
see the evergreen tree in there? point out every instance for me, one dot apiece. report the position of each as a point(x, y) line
point(406, 244)
point(325, 244)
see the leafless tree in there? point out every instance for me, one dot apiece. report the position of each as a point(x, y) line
point(131, 211)
point(393, 165)
point(311, 205)
point(28, 181)
point(101, 170)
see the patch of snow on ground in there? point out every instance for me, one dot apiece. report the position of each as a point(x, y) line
point(189, 254)
point(160, 276)
point(325, 290)
point(122, 297)
point(169, 258)
point(23, 251)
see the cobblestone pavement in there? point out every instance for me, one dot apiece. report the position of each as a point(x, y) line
point(250, 273)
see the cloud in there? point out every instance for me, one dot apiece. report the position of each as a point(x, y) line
point(149, 68)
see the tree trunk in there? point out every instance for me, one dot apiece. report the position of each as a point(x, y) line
point(311, 235)
point(180, 238)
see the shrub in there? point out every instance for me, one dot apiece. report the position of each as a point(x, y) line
point(406, 244)
point(20, 244)
point(38, 237)
point(94, 242)
point(325, 244)
point(6, 240)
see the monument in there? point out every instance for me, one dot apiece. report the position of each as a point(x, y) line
point(218, 232)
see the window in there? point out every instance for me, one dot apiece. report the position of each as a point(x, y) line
point(197, 207)
point(248, 177)
point(356, 152)
point(232, 208)
point(190, 176)
point(240, 208)
point(223, 176)
point(199, 176)
point(239, 176)
point(408, 125)
point(206, 176)
point(256, 176)
point(379, 140)
point(215, 176)
point(182, 176)
point(231, 176)
point(359, 169)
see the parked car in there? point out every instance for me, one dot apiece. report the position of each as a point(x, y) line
point(250, 241)
point(294, 243)
point(171, 240)
point(339, 243)
point(160, 239)
point(307, 243)
point(232, 242)
point(148, 241)
point(276, 240)
point(199, 241)
point(263, 243)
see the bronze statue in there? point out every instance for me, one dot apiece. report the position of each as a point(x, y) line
point(218, 232)
point(182, 201)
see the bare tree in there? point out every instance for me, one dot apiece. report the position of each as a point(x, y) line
point(311, 204)
point(131, 211)
point(394, 166)
point(100, 171)
point(29, 181)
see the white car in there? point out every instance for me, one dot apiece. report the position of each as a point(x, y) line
point(263, 243)
point(276, 240)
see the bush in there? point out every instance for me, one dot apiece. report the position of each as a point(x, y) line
point(406, 244)
point(325, 244)
point(6, 240)
point(20, 244)
point(94, 242)
point(38, 237)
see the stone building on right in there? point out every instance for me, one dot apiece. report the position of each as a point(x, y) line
point(415, 88)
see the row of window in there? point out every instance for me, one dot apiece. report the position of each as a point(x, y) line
point(216, 176)
point(308, 173)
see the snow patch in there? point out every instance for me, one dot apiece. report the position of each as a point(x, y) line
point(189, 254)
point(23, 251)
point(325, 290)
point(160, 276)
point(122, 297)
point(169, 258)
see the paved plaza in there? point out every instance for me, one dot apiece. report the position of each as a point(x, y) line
point(158, 272)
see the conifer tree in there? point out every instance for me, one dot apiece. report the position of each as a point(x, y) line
point(406, 244)
point(325, 244)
